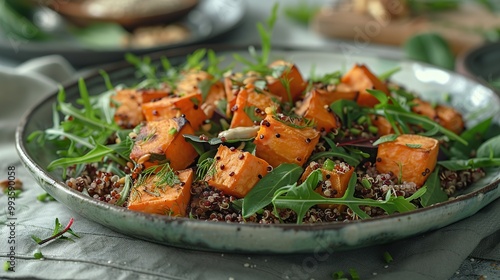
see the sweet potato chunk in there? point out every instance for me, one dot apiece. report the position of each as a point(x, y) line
point(444, 115)
point(237, 172)
point(341, 91)
point(175, 106)
point(201, 82)
point(413, 157)
point(250, 106)
point(315, 108)
point(152, 196)
point(382, 124)
point(128, 113)
point(162, 141)
point(280, 141)
point(450, 118)
point(285, 72)
point(360, 78)
point(424, 108)
point(338, 181)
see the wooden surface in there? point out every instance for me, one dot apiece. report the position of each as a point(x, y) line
point(462, 27)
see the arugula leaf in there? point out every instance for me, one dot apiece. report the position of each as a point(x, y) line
point(348, 111)
point(490, 148)
point(409, 117)
point(93, 155)
point(262, 193)
point(464, 164)
point(474, 136)
point(301, 198)
point(434, 193)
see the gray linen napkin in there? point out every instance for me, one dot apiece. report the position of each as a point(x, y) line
point(101, 253)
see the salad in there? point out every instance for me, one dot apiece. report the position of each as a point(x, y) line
point(259, 142)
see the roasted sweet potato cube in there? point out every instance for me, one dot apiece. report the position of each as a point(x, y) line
point(236, 172)
point(128, 113)
point(154, 196)
point(413, 157)
point(162, 141)
point(360, 78)
point(424, 108)
point(450, 118)
point(338, 181)
point(315, 108)
point(286, 80)
point(202, 82)
point(446, 116)
point(279, 141)
point(176, 106)
point(341, 92)
point(383, 126)
point(250, 106)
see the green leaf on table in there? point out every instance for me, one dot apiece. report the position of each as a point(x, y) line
point(38, 255)
point(262, 193)
point(431, 48)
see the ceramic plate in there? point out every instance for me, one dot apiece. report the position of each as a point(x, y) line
point(210, 18)
point(471, 98)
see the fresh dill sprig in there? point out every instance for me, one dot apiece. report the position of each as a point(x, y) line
point(206, 168)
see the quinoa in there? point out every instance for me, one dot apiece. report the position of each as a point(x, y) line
point(210, 204)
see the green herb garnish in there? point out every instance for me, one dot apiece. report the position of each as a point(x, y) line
point(301, 198)
point(58, 233)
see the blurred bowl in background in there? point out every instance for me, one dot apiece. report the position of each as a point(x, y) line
point(482, 64)
point(128, 13)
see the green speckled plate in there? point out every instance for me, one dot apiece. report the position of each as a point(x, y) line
point(472, 99)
